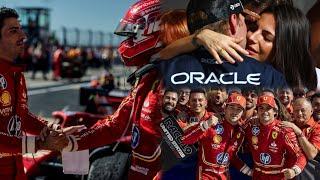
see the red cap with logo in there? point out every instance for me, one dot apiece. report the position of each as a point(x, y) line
point(265, 99)
point(238, 99)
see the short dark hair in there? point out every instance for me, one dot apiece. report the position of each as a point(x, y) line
point(215, 13)
point(6, 13)
point(170, 90)
point(268, 90)
point(199, 91)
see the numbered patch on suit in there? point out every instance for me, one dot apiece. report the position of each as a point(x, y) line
point(219, 129)
point(3, 82)
point(14, 126)
point(255, 130)
point(265, 158)
point(135, 137)
point(223, 158)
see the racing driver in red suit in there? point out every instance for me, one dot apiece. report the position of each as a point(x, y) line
point(140, 111)
point(219, 141)
point(275, 150)
point(16, 120)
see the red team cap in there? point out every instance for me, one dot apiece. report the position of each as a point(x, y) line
point(238, 99)
point(265, 99)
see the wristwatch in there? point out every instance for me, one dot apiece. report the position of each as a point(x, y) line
point(296, 170)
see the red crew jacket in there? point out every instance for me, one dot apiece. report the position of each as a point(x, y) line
point(16, 121)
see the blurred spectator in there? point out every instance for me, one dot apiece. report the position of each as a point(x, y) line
point(184, 95)
point(107, 57)
point(251, 104)
point(285, 96)
point(299, 92)
point(216, 100)
point(107, 81)
point(58, 56)
point(40, 59)
point(315, 100)
point(26, 57)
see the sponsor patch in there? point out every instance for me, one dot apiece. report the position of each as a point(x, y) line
point(215, 146)
point(219, 129)
point(5, 98)
point(235, 144)
point(255, 130)
point(274, 135)
point(14, 126)
point(265, 158)
point(3, 82)
point(254, 140)
point(217, 139)
point(135, 137)
point(212, 78)
point(6, 111)
point(273, 147)
point(238, 135)
point(273, 144)
point(223, 158)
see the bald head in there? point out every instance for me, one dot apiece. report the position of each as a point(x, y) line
point(302, 111)
point(302, 101)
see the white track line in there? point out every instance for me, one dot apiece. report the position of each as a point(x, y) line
point(55, 89)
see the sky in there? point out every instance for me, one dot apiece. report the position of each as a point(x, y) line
point(98, 15)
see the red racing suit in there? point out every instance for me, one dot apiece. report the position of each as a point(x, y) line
point(140, 111)
point(312, 132)
point(218, 146)
point(273, 149)
point(16, 121)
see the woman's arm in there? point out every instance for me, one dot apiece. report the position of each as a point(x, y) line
point(217, 44)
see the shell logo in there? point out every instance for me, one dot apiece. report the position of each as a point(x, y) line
point(5, 98)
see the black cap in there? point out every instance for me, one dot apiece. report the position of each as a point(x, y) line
point(204, 12)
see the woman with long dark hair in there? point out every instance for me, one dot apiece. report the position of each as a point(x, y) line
point(286, 31)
